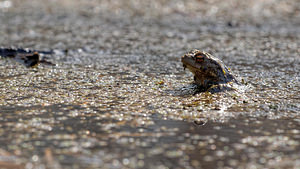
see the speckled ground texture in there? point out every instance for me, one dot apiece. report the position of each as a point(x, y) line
point(118, 96)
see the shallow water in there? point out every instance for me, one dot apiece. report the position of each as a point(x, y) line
point(118, 96)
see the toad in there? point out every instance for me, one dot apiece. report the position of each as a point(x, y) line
point(210, 73)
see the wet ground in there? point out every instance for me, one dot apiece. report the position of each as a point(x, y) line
point(118, 96)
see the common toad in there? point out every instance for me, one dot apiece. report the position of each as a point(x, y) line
point(210, 73)
point(27, 57)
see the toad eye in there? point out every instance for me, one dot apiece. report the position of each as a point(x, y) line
point(199, 58)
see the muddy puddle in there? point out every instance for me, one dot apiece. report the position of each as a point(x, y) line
point(116, 94)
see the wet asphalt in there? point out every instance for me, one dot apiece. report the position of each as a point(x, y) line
point(117, 96)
